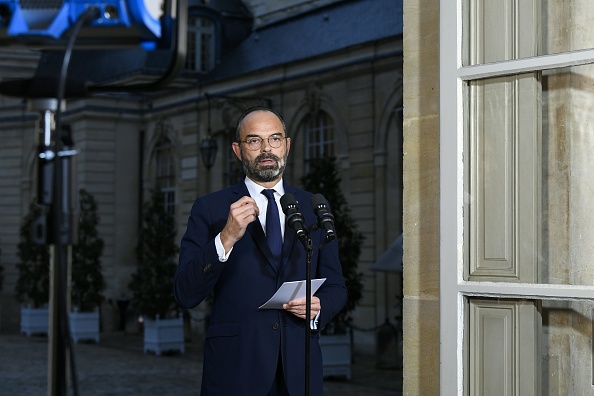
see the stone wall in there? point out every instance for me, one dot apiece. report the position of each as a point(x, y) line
point(421, 197)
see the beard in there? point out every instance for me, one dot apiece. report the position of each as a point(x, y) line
point(267, 173)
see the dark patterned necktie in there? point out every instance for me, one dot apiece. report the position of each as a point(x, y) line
point(273, 230)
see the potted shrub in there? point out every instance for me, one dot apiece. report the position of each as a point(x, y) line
point(32, 287)
point(152, 283)
point(336, 338)
point(88, 282)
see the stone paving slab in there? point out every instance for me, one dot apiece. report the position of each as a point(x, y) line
point(118, 366)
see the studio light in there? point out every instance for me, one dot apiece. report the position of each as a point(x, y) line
point(45, 23)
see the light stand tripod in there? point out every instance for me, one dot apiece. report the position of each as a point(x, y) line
point(56, 227)
point(56, 190)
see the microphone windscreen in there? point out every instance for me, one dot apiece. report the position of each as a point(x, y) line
point(317, 200)
point(287, 201)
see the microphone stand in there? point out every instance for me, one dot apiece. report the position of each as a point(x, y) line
point(307, 243)
point(309, 254)
point(295, 220)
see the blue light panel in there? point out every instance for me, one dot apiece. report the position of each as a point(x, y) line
point(37, 21)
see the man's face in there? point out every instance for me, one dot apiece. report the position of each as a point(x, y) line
point(266, 164)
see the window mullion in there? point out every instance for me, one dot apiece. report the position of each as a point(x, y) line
point(537, 291)
point(526, 65)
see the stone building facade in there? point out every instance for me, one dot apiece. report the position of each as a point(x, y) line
point(339, 63)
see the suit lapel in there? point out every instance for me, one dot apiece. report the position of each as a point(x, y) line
point(255, 229)
point(257, 233)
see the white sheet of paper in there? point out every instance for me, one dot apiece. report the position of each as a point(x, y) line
point(291, 291)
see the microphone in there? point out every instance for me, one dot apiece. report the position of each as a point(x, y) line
point(325, 218)
point(295, 219)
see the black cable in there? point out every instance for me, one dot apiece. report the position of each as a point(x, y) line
point(89, 14)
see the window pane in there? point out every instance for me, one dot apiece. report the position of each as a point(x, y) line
point(567, 186)
point(566, 360)
point(165, 167)
point(169, 200)
point(191, 51)
point(206, 51)
point(200, 55)
point(319, 136)
point(524, 345)
point(503, 347)
point(529, 178)
point(498, 30)
point(165, 174)
point(503, 175)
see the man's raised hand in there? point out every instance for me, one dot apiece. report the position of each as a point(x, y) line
point(241, 213)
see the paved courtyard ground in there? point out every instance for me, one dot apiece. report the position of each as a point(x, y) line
point(117, 366)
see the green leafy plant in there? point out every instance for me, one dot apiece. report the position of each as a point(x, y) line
point(324, 178)
point(32, 287)
point(88, 282)
point(152, 283)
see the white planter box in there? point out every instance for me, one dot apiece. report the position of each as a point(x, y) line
point(336, 355)
point(164, 335)
point(84, 326)
point(34, 320)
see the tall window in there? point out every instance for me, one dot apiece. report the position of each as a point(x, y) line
point(165, 173)
point(319, 137)
point(516, 209)
point(201, 49)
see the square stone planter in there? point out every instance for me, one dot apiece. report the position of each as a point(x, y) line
point(34, 320)
point(336, 354)
point(84, 326)
point(163, 335)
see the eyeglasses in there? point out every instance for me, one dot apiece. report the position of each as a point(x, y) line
point(255, 142)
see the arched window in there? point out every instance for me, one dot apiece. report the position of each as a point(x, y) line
point(318, 131)
point(200, 55)
point(165, 173)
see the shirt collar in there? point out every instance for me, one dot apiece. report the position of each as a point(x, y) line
point(255, 189)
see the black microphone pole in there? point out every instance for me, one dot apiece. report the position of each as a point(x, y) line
point(325, 223)
point(295, 220)
point(309, 254)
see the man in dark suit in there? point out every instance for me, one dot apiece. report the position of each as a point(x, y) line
point(227, 250)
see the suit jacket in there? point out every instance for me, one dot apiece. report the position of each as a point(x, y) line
point(243, 343)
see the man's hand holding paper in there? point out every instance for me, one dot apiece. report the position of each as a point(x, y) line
point(297, 307)
point(291, 297)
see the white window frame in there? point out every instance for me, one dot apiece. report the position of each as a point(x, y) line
point(453, 289)
point(318, 141)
